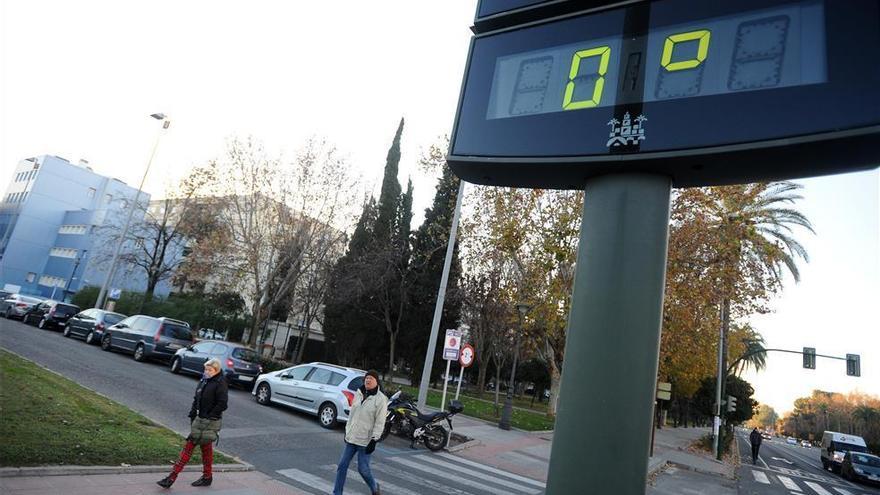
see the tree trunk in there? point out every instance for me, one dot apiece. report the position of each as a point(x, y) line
point(303, 340)
point(481, 379)
point(392, 336)
point(555, 383)
point(497, 385)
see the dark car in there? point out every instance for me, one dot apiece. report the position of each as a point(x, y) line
point(50, 314)
point(240, 364)
point(859, 466)
point(90, 324)
point(147, 337)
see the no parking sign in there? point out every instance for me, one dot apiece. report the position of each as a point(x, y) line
point(451, 345)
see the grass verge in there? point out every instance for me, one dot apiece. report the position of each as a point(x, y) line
point(46, 419)
point(482, 409)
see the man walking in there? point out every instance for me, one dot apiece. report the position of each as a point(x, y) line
point(755, 439)
point(364, 428)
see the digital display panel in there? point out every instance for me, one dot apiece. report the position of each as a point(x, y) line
point(766, 49)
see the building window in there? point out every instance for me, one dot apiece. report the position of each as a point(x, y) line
point(108, 198)
point(73, 229)
point(31, 276)
point(92, 192)
point(50, 281)
point(63, 252)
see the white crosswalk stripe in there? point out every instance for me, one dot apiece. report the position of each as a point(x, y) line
point(788, 482)
point(419, 474)
point(760, 477)
point(842, 491)
point(818, 488)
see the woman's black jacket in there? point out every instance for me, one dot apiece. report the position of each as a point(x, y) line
point(210, 398)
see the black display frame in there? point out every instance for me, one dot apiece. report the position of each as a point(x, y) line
point(561, 150)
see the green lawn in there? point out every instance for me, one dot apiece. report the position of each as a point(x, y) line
point(484, 409)
point(48, 419)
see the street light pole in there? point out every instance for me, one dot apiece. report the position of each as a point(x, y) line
point(99, 303)
point(73, 273)
point(507, 411)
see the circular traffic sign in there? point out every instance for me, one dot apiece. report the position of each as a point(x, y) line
point(467, 356)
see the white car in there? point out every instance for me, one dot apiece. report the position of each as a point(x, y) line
point(791, 441)
point(806, 444)
point(325, 390)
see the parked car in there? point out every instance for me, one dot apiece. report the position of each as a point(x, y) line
point(50, 314)
point(835, 445)
point(147, 337)
point(4, 294)
point(240, 364)
point(791, 441)
point(16, 305)
point(860, 466)
point(325, 390)
point(91, 323)
point(806, 444)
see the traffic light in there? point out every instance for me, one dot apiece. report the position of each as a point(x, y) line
point(731, 403)
point(853, 365)
point(810, 358)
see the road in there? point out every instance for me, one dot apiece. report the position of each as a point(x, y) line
point(285, 444)
point(785, 469)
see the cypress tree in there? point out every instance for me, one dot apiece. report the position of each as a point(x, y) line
point(389, 198)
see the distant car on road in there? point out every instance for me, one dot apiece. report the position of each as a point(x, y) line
point(50, 314)
point(860, 466)
point(791, 441)
point(147, 337)
point(766, 436)
point(239, 364)
point(323, 389)
point(91, 324)
point(16, 305)
point(806, 444)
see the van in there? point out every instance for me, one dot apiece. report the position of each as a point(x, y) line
point(835, 446)
point(147, 337)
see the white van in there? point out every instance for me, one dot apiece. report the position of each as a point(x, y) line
point(835, 445)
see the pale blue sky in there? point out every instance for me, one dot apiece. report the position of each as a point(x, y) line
point(78, 79)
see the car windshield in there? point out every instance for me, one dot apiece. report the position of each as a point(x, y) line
point(174, 331)
point(66, 309)
point(842, 447)
point(245, 355)
point(866, 460)
point(113, 318)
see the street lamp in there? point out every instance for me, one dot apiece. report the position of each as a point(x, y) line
point(99, 303)
point(507, 411)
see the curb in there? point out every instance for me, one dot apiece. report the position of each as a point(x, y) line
point(463, 446)
point(93, 470)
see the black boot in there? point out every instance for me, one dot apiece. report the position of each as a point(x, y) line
point(166, 482)
point(202, 482)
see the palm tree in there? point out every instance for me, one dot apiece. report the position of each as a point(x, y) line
point(754, 355)
point(867, 414)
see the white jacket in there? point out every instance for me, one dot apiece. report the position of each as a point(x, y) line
point(366, 421)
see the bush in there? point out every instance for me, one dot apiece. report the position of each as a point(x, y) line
point(270, 365)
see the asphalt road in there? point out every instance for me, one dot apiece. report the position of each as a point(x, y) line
point(783, 469)
point(280, 442)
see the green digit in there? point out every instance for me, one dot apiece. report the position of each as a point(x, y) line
point(604, 54)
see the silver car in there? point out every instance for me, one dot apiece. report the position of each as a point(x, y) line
point(16, 305)
point(322, 389)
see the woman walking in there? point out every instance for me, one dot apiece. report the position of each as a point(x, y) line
point(207, 409)
point(364, 428)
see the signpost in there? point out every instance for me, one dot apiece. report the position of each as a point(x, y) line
point(466, 359)
point(625, 100)
point(451, 346)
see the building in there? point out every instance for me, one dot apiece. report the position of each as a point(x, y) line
point(51, 221)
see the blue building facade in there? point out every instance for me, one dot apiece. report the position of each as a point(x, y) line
point(54, 218)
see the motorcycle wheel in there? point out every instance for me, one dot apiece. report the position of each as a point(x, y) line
point(435, 438)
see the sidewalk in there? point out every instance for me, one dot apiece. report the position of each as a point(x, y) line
point(236, 483)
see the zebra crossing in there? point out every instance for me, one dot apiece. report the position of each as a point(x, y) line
point(422, 474)
point(805, 488)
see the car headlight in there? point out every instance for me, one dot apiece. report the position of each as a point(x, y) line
point(838, 456)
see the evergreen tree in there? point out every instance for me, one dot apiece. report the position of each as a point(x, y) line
point(389, 198)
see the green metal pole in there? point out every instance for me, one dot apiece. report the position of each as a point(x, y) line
point(603, 424)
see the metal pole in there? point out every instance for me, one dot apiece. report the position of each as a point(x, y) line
point(445, 383)
point(100, 301)
point(460, 377)
point(716, 421)
point(613, 338)
point(507, 410)
point(441, 296)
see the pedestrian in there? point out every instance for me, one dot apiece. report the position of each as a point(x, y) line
point(755, 439)
point(364, 428)
point(205, 416)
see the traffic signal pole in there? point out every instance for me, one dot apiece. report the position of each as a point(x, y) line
point(604, 421)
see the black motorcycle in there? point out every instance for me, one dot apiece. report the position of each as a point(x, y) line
point(405, 420)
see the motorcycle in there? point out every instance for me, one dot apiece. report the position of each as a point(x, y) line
point(404, 419)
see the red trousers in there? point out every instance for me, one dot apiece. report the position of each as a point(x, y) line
point(186, 453)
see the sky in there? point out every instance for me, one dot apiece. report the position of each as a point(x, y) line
point(80, 79)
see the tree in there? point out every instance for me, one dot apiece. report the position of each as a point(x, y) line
point(765, 417)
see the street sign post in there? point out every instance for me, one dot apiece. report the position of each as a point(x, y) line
point(464, 360)
point(451, 346)
point(625, 100)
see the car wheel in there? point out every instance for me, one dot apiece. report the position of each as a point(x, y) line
point(264, 394)
point(327, 415)
point(139, 353)
point(175, 365)
point(66, 331)
point(105, 342)
point(824, 465)
point(42, 324)
point(90, 338)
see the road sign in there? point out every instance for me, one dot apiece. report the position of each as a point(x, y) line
point(684, 88)
point(664, 391)
point(451, 345)
point(467, 356)
point(661, 395)
point(114, 294)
